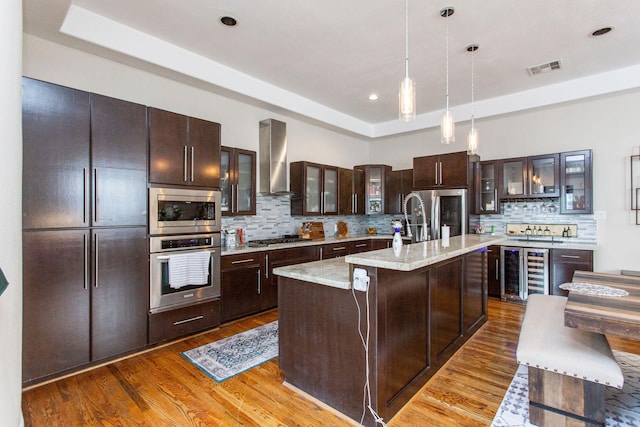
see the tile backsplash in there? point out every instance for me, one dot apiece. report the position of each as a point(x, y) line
point(273, 219)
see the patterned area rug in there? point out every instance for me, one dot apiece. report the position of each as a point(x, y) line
point(235, 354)
point(622, 406)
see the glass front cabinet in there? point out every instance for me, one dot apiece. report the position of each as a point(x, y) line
point(315, 189)
point(576, 182)
point(238, 181)
point(525, 177)
point(488, 201)
point(374, 187)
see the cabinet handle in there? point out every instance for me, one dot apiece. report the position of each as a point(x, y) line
point(361, 245)
point(356, 208)
point(266, 261)
point(570, 256)
point(259, 281)
point(440, 173)
point(86, 261)
point(497, 270)
point(95, 249)
point(180, 322)
point(242, 261)
point(321, 252)
point(341, 248)
point(84, 195)
point(436, 177)
point(193, 154)
point(236, 201)
point(184, 166)
point(95, 194)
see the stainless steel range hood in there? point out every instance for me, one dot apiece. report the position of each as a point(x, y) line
point(273, 157)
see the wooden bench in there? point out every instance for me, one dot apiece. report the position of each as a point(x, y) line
point(568, 368)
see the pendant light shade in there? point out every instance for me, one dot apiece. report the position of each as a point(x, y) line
point(407, 94)
point(447, 129)
point(472, 139)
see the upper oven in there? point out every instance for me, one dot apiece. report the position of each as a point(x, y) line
point(183, 211)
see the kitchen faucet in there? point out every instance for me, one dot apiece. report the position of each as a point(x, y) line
point(424, 217)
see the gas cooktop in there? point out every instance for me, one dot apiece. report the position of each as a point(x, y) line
point(288, 238)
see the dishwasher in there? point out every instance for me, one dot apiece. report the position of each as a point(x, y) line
point(523, 271)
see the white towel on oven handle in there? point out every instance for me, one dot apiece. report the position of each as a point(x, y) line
point(189, 269)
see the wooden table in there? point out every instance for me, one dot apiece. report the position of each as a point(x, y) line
point(619, 316)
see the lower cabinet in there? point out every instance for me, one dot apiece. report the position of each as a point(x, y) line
point(85, 297)
point(183, 321)
point(493, 271)
point(281, 258)
point(334, 250)
point(359, 246)
point(446, 287)
point(563, 264)
point(241, 278)
point(376, 244)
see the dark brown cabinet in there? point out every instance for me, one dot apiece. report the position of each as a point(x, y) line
point(281, 258)
point(375, 177)
point(56, 169)
point(314, 187)
point(376, 244)
point(334, 250)
point(487, 200)
point(241, 282)
point(452, 170)
point(526, 177)
point(238, 181)
point(350, 191)
point(84, 207)
point(564, 262)
point(399, 183)
point(446, 308)
point(357, 246)
point(474, 298)
point(493, 271)
point(183, 150)
point(576, 182)
point(171, 324)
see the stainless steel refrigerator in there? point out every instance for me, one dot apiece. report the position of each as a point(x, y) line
point(441, 207)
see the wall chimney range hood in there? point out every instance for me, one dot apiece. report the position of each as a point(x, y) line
point(273, 157)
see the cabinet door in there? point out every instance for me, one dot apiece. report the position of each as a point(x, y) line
point(56, 311)
point(335, 250)
point(226, 178)
point(475, 290)
point(241, 281)
point(380, 244)
point(204, 153)
point(358, 191)
point(513, 174)
point(543, 178)
point(358, 246)
point(487, 201)
point(245, 185)
point(576, 182)
point(564, 262)
point(55, 176)
point(346, 197)
point(119, 162)
point(425, 172)
point(281, 258)
point(493, 271)
point(446, 308)
point(120, 291)
point(454, 170)
point(374, 188)
point(329, 190)
point(313, 189)
point(393, 192)
point(168, 148)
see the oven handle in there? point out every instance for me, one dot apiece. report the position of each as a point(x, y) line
point(164, 257)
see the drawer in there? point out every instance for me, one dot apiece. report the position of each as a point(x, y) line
point(335, 250)
point(572, 255)
point(359, 246)
point(183, 321)
point(230, 262)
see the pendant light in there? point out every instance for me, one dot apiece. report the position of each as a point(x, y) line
point(447, 127)
point(472, 139)
point(407, 96)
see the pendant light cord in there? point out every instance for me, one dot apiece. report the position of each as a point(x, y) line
point(406, 38)
point(447, 59)
point(473, 49)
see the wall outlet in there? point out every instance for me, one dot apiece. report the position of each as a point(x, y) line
point(360, 279)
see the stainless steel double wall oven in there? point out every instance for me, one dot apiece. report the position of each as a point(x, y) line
point(184, 225)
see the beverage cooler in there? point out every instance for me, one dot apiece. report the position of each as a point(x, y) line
point(524, 271)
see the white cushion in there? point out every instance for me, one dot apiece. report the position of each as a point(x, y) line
point(546, 343)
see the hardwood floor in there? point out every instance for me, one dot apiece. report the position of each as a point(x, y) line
point(161, 388)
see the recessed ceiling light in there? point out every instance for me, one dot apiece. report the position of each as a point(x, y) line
point(373, 97)
point(600, 32)
point(229, 21)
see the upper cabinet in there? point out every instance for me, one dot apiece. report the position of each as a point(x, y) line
point(84, 159)
point(351, 191)
point(453, 170)
point(238, 181)
point(183, 150)
point(374, 187)
point(576, 182)
point(314, 187)
point(534, 176)
point(398, 184)
point(487, 200)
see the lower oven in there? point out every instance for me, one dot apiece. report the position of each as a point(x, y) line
point(523, 271)
point(183, 261)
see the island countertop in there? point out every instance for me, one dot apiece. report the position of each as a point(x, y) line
point(335, 272)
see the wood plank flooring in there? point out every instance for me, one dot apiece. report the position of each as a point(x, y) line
point(161, 388)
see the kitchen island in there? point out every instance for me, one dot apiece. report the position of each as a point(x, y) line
point(422, 303)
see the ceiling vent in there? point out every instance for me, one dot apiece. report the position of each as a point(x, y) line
point(544, 68)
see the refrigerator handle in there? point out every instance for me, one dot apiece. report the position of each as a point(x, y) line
point(435, 217)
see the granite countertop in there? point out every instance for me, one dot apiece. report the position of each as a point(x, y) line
point(335, 272)
point(327, 240)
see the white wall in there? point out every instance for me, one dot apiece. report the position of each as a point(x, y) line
point(609, 125)
point(10, 214)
